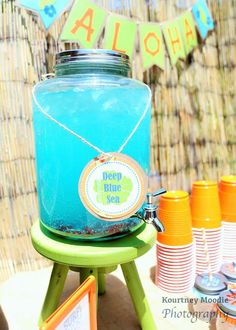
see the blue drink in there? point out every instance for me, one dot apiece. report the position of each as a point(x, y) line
point(102, 105)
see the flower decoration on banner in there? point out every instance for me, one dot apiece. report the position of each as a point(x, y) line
point(203, 18)
point(48, 10)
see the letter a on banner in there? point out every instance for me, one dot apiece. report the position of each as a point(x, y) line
point(203, 18)
point(189, 35)
point(152, 45)
point(172, 34)
point(84, 23)
point(120, 34)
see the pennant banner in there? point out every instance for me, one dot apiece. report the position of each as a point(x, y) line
point(188, 32)
point(184, 4)
point(120, 34)
point(48, 10)
point(203, 18)
point(152, 45)
point(172, 34)
point(84, 23)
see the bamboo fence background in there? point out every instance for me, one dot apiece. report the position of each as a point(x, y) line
point(193, 121)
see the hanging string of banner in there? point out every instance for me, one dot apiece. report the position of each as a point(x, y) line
point(86, 21)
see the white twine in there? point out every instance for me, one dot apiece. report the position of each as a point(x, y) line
point(81, 138)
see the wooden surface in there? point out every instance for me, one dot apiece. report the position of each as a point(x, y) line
point(115, 308)
point(193, 120)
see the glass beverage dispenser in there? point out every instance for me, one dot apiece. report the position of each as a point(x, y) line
point(91, 106)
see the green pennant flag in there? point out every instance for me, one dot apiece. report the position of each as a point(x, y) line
point(188, 32)
point(172, 34)
point(120, 34)
point(152, 45)
point(84, 23)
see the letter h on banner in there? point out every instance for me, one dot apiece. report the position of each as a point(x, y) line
point(173, 38)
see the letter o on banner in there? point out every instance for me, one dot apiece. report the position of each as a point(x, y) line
point(147, 42)
point(152, 45)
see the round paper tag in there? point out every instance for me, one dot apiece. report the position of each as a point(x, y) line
point(114, 188)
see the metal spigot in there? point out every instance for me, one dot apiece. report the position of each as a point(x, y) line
point(148, 213)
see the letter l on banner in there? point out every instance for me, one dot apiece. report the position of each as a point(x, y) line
point(120, 34)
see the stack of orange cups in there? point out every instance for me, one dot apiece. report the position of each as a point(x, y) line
point(175, 251)
point(227, 193)
point(206, 221)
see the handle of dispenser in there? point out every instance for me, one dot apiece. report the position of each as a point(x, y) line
point(159, 192)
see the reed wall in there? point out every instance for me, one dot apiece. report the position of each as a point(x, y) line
point(193, 119)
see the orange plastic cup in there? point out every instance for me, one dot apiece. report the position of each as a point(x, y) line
point(174, 213)
point(178, 223)
point(205, 205)
point(174, 240)
point(176, 200)
point(227, 193)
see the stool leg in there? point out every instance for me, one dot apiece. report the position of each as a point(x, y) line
point(101, 283)
point(55, 287)
point(137, 294)
point(102, 278)
point(85, 272)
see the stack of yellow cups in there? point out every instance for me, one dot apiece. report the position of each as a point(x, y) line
point(206, 221)
point(175, 251)
point(227, 193)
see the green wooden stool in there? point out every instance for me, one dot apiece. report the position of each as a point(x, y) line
point(96, 258)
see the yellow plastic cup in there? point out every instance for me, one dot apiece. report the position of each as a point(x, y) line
point(205, 205)
point(227, 193)
point(174, 213)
